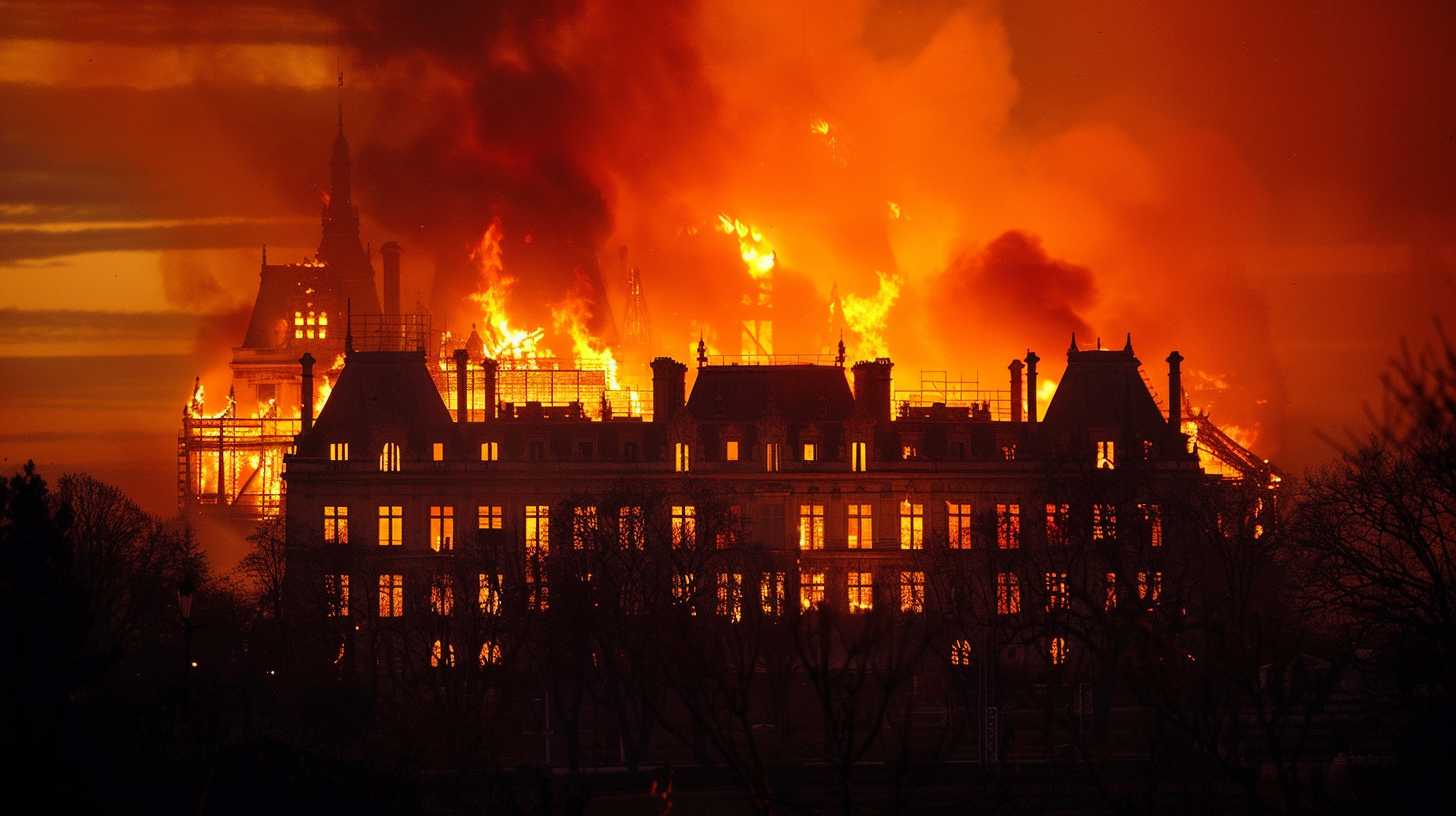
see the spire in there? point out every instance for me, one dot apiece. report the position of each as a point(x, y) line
point(1127, 347)
point(341, 102)
point(702, 351)
point(1073, 347)
point(839, 357)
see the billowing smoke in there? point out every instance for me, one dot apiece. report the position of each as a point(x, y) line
point(1013, 285)
point(520, 111)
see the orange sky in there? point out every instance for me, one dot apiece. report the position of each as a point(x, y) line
point(1267, 189)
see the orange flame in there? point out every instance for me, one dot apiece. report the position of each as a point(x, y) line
point(502, 340)
point(866, 317)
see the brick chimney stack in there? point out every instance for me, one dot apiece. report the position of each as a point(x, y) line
point(872, 388)
point(1016, 404)
point(669, 383)
point(462, 389)
point(1031, 361)
point(1175, 391)
point(489, 367)
point(306, 391)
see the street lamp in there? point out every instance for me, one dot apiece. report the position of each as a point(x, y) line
point(185, 593)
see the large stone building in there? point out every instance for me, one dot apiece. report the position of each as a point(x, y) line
point(769, 493)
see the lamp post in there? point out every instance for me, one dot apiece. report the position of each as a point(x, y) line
point(185, 594)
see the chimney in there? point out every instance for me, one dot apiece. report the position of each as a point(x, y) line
point(1016, 405)
point(462, 389)
point(872, 388)
point(1175, 391)
point(669, 378)
point(390, 253)
point(306, 390)
point(489, 367)
point(1031, 361)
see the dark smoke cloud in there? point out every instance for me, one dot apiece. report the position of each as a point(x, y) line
point(523, 111)
point(1014, 282)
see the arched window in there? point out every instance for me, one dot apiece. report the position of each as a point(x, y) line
point(389, 458)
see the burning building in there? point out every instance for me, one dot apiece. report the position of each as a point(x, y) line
point(770, 488)
point(230, 459)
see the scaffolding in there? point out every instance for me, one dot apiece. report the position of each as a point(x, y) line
point(1218, 453)
point(234, 464)
point(938, 392)
point(542, 382)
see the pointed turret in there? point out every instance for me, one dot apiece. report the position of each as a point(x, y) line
point(339, 245)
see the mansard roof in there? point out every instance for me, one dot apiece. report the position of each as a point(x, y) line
point(1104, 389)
point(798, 393)
point(384, 392)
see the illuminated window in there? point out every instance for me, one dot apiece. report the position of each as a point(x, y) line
point(338, 451)
point(442, 594)
point(1057, 650)
point(489, 451)
point(1150, 586)
point(811, 526)
point(684, 525)
point(730, 450)
point(489, 517)
point(442, 528)
point(391, 525)
point(336, 524)
point(958, 525)
point(730, 595)
point(489, 593)
point(391, 596)
point(631, 530)
point(861, 591)
point(1057, 516)
point(909, 452)
point(490, 654)
point(861, 534)
point(960, 652)
point(912, 592)
point(811, 452)
point(442, 655)
point(389, 458)
point(1008, 526)
point(1104, 522)
point(1153, 520)
point(1109, 597)
point(771, 456)
point(684, 587)
point(1008, 593)
point(1056, 590)
point(682, 457)
point(912, 525)
point(336, 587)
point(538, 530)
point(437, 451)
point(771, 593)
point(1106, 454)
point(583, 526)
point(1008, 452)
point(859, 457)
point(811, 590)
